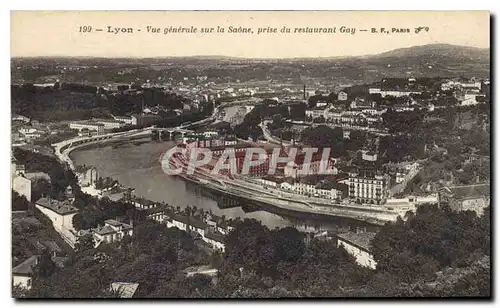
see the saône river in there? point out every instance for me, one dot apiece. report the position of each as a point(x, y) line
point(137, 164)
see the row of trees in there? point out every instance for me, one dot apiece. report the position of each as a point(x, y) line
point(70, 101)
point(259, 262)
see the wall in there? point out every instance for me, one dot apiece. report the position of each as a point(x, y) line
point(22, 186)
point(58, 221)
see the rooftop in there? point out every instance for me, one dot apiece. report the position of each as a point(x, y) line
point(361, 240)
point(216, 236)
point(125, 289)
point(26, 267)
point(116, 223)
point(143, 201)
point(470, 191)
point(60, 207)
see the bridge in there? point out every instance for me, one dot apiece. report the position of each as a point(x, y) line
point(172, 132)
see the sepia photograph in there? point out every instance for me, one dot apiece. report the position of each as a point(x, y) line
point(250, 154)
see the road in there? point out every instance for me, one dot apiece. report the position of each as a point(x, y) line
point(269, 137)
point(243, 188)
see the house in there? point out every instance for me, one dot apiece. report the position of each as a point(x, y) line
point(22, 274)
point(395, 93)
point(224, 228)
point(361, 104)
point(22, 186)
point(474, 197)
point(197, 226)
point(98, 128)
point(59, 212)
point(156, 214)
point(87, 176)
point(342, 96)
point(177, 221)
point(112, 231)
point(143, 204)
point(124, 289)
point(359, 246)
point(216, 239)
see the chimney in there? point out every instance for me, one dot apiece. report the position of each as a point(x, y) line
point(304, 92)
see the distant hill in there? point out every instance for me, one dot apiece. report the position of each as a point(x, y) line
point(432, 60)
point(439, 50)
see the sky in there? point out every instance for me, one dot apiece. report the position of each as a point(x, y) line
point(61, 33)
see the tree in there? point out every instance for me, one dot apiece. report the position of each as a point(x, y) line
point(19, 203)
point(84, 243)
point(45, 267)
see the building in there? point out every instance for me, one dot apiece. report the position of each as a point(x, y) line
point(362, 104)
point(30, 133)
point(126, 120)
point(216, 239)
point(212, 231)
point(143, 204)
point(59, 212)
point(124, 289)
point(359, 246)
point(22, 274)
point(198, 226)
point(22, 186)
point(157, 214)
point(113, 231)
point(97, 128)
point(342, 96)
point(110, 123)
point(20, 118)
point(367, 185)
point(87, 176)
point(474, 197)
point(177, 221)
point(394, 93)
point(144, 120)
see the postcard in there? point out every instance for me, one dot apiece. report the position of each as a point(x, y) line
point(250, 154)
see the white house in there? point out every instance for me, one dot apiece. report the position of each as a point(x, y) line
point(177, 221)
point(90, 125)
point(359, 246)
point(22, 186)
point(394, 93)
point(143, 204)
point(113, 231)
point(217, 240)
point(59, 212)
point(157, 214)
point(342, 96)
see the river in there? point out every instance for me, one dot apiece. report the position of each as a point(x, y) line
point(137, 165)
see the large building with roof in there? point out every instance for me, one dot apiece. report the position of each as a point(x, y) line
point(242, 150)
point(59, 212)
